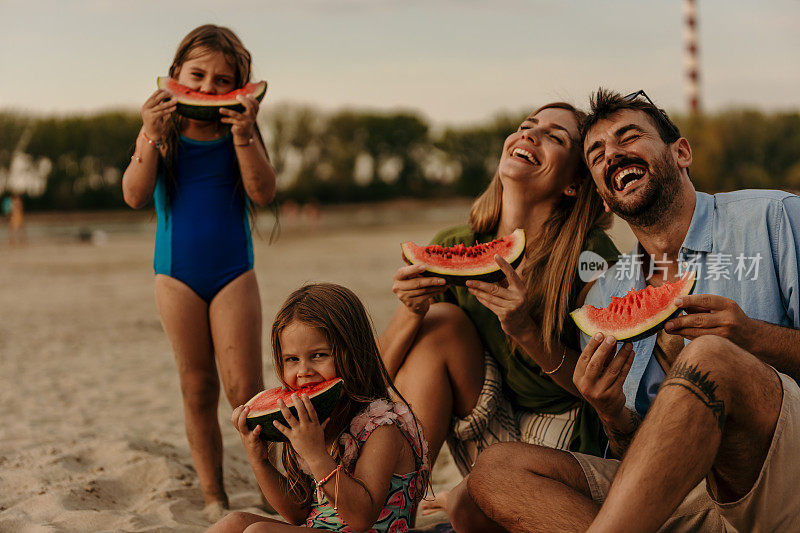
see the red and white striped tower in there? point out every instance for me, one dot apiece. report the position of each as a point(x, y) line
point(692, 64)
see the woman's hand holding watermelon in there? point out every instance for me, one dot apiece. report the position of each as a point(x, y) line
point(255, 447)
point(416, 291)
point(242, 124)
point(508, 300)
point(155, 112)
point(305, 432)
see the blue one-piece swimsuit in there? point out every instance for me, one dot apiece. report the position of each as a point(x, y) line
point(203, 232)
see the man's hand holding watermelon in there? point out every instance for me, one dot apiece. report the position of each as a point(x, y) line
point(709, 314)
point(599, 374)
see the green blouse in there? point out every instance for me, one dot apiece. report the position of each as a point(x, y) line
point(525, 383)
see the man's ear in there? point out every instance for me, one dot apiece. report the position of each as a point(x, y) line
point(682, 152)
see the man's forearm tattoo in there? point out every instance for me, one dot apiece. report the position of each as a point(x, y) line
point(619, 440)
point(695, 381)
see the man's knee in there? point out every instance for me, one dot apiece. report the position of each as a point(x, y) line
point(709, 348)
point(725, 372)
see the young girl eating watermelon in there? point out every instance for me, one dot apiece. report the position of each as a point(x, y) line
point(365, 467)
point(205, 176)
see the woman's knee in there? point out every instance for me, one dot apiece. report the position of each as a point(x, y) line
point(447, 330)
point(447, 319)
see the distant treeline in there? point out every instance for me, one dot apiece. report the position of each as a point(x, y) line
point(351, 156)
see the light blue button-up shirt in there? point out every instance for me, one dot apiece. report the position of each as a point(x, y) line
point(745, 245)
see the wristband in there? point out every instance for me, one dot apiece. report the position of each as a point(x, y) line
point(248, 143)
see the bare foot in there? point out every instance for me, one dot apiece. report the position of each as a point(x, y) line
point(437, 504)
point(215, 511)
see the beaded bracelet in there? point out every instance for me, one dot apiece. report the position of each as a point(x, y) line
point(563, 358)
point(248, 143)
point(324, 480)
point(157, 144)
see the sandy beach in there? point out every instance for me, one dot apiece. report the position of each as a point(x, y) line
point(92, 434)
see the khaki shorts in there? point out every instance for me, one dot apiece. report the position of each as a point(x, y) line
point(494, 419)
point(773, 504)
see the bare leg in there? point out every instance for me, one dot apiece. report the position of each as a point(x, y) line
point(524, 487)
point(465, 515)
point(240, 521)
point(184, 316)
point(442, 374)
point(235, 315)
point(717, 408)
point(236, 326)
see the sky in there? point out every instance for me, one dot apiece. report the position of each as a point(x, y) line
point(454, 61)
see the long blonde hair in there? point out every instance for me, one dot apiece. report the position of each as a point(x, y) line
point(551, 258)
point(341, 316)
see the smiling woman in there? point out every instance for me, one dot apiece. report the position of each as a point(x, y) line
point(493, 362)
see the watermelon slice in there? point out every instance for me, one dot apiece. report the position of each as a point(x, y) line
point(459, 263)
point(638, 314)
point(264, 406)
point(201, 106)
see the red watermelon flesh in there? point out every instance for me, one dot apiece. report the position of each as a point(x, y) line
point(264, 406)
point(202, 106)
point(459, 263)
point(636, 315)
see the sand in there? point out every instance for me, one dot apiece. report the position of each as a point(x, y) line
point(91, 422)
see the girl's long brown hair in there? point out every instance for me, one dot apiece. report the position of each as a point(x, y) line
point(341, 316)
point(211, 38)
point(551, 258)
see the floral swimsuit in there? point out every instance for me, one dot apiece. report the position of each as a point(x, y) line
point(395, 516)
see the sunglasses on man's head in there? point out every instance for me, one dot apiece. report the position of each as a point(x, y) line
point(667, 121)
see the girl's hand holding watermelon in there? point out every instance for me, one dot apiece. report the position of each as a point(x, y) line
point(255, 447)
point(155, 113)
point(242, 124)
point(305, 432)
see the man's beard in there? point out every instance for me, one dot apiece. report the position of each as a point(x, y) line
point(655, 201)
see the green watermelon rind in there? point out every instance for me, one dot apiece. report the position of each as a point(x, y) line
point(495, 274)
point(205, 110)
point(324, 402)
point(645, 329)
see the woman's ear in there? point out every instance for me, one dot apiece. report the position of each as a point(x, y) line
point(572, 190)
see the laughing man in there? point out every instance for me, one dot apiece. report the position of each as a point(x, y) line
point(706, 414)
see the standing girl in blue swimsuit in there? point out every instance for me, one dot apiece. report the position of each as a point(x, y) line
point(205, 176)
